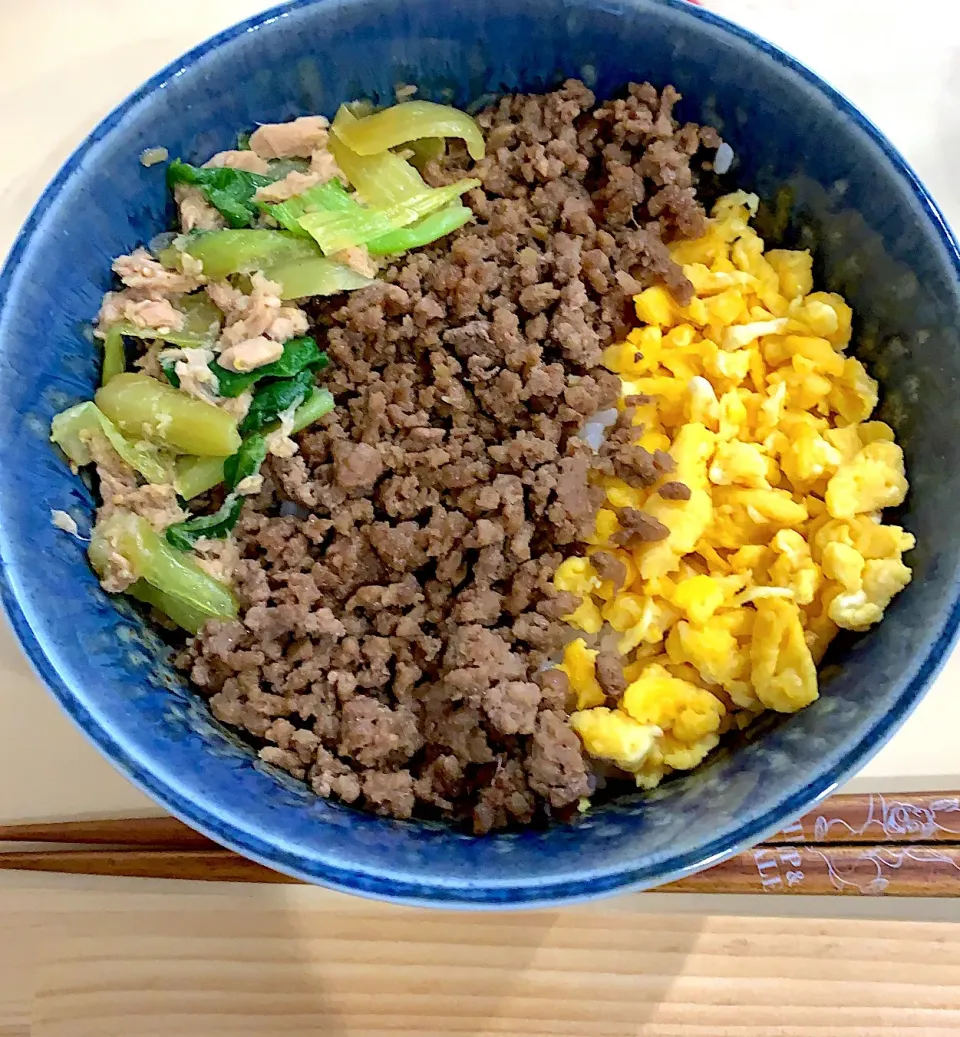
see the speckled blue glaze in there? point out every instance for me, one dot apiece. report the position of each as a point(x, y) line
point(877, 236)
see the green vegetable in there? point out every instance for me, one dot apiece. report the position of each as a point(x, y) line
point(282, 167)
point(226, 252)
point(410, 120)
point(217, 526)
point(141, 406)
point(246, 461)
point(183, 613)
point(169, 368)
point(243, 142)
point(114, 355)
point(196, 475)
point(328, 197)
point(197, 595)
point(423, 232)
point(230, 191)
point(317, 276)
point(428, 149)
point(318, 403)
point(334, 231)
point(382, 180)
point(274, 398)
point(201, 324)
point(298, 354)
point(155, 465)
point(332, 197)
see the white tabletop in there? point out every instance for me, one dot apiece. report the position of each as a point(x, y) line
point(64, 64)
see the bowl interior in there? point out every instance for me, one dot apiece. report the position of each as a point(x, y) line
point(876, 238)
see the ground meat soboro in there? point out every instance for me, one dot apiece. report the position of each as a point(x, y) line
point(395, 630)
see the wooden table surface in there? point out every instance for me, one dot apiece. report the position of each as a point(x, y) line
point(131, 958)
point(119, 960)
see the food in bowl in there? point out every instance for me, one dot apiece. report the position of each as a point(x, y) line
point(389, 604)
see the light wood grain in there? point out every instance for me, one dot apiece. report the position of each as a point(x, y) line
point(354, 969)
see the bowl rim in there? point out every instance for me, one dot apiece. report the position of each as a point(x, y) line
point(226, 826)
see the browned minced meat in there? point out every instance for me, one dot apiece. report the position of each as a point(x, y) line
point(609, 567)
point(674, 491)
point(398, 614)
point(610, 674)
point(639, 525)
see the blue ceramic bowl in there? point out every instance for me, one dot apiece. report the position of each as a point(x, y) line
point(877, 238)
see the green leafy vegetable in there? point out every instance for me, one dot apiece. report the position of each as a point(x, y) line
point(197, 595)
point(229, 191)
point(142, 406)
point(410, 120)
point(318, 403)
point(332, 197)
point(423, 232)
point(196, 475)
point(382, 180)
point(273, 399)
point(169, 368)
point(201, 325)
point(217, 526)
point(334, 231)
point(328, 197)
point(298, 355)
point(243, 142)
point(246, 461)
point(70, 431)
point(114, 355)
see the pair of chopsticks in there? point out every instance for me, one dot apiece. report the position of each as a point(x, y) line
point(904, 845)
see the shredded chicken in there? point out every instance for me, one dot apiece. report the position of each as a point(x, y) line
point(358, 258)
point(251, 354)
point(279, 443)
point(128, 305)
point(323, 163)
point(296, 139)
point(156, 502)
point(237, 406)
point(152, 279)
point(192, 368)
point(323, 167)
point(218, 558)
point(249, 161)
point(149, 362)
point(120, 489)
point(260, 313)
point(249, 486)
point(292, 184)
point(196, 213)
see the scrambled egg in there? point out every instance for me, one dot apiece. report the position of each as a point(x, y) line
point(780, 543)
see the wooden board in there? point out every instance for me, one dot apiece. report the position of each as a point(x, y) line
point(124, 961)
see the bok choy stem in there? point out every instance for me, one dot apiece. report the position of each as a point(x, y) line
point(410, 120)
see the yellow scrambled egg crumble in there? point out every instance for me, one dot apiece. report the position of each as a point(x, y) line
point(781, 541)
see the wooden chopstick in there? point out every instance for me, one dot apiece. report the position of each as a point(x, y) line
point(864, 870)
point(927, 817)
point(899, 845)
point(152, 832)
